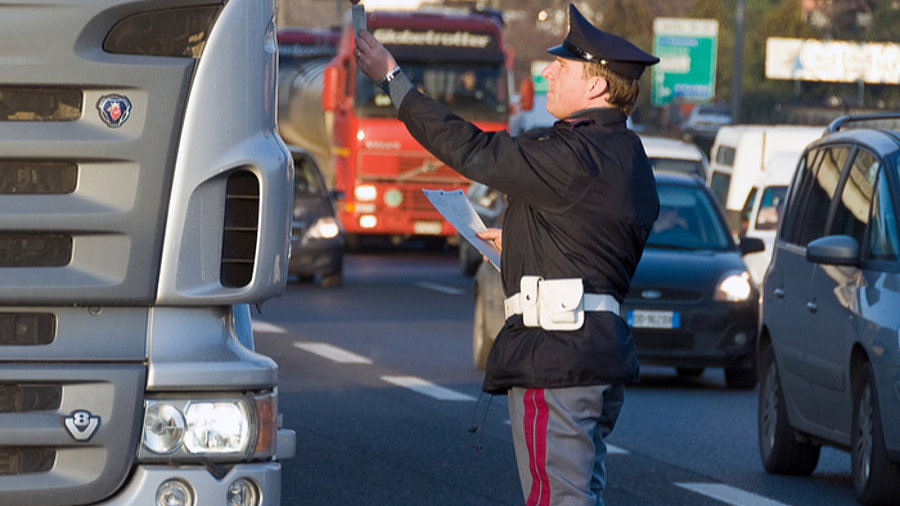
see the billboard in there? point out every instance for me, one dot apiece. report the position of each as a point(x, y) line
point(687, 52)
point(832, 61)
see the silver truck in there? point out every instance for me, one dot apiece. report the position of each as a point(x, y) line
point(144, 204)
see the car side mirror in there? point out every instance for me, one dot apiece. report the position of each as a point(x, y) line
point(833, 249)
point(751, 245)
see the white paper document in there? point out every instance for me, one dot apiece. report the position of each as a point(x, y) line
point(456, 208)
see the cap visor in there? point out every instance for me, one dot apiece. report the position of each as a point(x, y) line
point(563, 53)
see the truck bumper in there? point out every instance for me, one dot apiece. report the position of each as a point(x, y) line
point(145, 482)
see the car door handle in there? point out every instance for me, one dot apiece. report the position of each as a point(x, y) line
point(812, 306)
point(779, 292)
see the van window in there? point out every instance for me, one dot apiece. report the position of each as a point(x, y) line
point(725, 155)
point(770, 207)
point(821, 188)
point(852, 213)
point(884, 243)
point(719, 186)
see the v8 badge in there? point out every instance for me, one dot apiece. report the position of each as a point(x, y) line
point(82, 424)
point(114, 109)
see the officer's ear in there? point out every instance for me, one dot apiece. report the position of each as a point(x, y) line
point(597, 87)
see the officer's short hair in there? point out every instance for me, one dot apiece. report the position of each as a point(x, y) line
point(623, 90)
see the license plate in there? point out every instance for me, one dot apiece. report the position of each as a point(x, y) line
point(643, 319)
point(427, 227)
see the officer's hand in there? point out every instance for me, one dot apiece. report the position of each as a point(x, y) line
point(492, 234)
point(371, 57)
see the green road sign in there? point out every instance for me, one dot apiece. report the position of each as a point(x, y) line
point(687, 52)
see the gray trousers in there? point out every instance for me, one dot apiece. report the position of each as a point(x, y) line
point(559, 435)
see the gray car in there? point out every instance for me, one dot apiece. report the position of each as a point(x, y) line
point(828, 346)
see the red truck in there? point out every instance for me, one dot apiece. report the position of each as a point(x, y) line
point(377, 169)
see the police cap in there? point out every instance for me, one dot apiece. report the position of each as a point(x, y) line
point(588, 43)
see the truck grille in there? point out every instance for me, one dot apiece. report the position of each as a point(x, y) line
point(36, 400)
point(40, 104)
point(15, 461)
point(26, 329)
point(37, 177)
point(35, 249)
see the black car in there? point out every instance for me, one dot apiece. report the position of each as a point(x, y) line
point(317, 241)
point(692, 304)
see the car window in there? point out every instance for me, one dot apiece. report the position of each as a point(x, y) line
point(770, 207)
point(306, 179)
point(687, 220)
point(821, 187)
point(747, 210)
point(884, 243)
point(852, 212)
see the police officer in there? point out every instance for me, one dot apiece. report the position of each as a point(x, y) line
point(581, 202)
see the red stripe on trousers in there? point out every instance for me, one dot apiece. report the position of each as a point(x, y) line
point(536, 415)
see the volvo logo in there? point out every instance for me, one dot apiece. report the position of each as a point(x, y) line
point(81, 424)
point(651, 294)
point(114, 110)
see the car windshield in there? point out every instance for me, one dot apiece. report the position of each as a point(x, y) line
point(687, 220)
point(306, 178)
point(690, 167)
point(475, 91)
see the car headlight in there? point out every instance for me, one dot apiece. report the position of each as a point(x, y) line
point(734, 287)
point(365, 193)
point(218, 429)
point(324, 228)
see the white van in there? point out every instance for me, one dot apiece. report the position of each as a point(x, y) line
point(763, 208)
point(741, 152)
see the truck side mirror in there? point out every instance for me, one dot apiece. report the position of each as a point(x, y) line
point(526, 94)
point(329, 90)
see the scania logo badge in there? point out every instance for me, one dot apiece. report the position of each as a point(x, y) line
point(114, 110)
point(81, 424)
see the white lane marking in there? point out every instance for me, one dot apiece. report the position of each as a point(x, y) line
point(729, 495)
point(440, 288)
point(333, 353)
point(427, 388)
point(261, 326)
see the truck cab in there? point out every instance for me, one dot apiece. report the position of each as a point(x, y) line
point(145, 205)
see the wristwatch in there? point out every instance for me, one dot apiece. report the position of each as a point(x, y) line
point(387, 78)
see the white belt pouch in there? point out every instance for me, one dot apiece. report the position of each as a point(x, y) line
point(552, 304)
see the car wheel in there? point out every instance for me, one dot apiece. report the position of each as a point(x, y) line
point(875, 477)
point(779, 449)
point(481, 341)
point(689, 372)
point(333, 280)
point(741, 378)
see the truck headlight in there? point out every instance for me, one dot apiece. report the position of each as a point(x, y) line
point(365, 193)
point(224, 429)
point(734, 287)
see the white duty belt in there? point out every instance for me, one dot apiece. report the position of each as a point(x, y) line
point(556, 304)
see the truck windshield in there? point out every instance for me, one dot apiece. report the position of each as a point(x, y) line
point(475, 92)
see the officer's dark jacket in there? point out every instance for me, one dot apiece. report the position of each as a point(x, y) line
point(582, 200)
